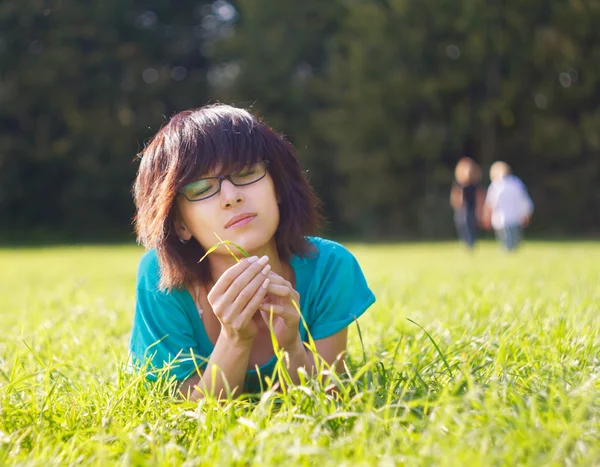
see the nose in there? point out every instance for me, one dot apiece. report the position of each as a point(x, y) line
point(231, 195)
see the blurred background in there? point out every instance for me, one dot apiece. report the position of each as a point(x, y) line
point(381, 98)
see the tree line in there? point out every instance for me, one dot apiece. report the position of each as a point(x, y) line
point(380, 97)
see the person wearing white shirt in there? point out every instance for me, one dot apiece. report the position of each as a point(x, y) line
point(508, 206)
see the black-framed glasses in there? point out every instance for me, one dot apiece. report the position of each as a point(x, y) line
point(206, 187)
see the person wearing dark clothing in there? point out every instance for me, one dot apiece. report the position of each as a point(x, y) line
point(467, 198)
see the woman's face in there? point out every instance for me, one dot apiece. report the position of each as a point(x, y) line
point(245, 215)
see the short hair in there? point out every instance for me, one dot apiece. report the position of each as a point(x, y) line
point(198, 141)
point(499, 170)
point(467, 166)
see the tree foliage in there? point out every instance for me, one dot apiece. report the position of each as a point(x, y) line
point(381, 98)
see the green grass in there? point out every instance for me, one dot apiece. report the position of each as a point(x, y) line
point(501, 368)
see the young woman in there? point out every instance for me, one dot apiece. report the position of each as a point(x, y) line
point(219, 170)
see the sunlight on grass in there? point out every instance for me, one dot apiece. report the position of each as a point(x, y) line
point(465, 359)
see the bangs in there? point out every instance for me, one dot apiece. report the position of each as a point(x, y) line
point(218, 141)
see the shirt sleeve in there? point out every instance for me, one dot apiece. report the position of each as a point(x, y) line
point(491, 197)
point(526, 203)
point(162, 336)
point(342, 297)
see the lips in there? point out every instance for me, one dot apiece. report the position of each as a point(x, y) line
point(238, 218)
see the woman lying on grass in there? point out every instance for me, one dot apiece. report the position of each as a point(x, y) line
point(219, 172)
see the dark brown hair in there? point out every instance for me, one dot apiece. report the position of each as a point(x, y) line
point(198, 141)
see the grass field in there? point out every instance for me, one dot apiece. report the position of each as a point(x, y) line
point(510, 375)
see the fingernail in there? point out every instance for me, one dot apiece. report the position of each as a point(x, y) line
point(263, 260)
point(266, 283)
point(252, 259)
point(266, 269)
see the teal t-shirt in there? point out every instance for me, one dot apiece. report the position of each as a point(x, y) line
point(168, 330)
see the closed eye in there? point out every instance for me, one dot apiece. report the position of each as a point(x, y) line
point(245, 173)
point(201, 192)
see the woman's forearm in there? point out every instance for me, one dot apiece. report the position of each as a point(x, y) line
point(226, 369)
point(299, 357)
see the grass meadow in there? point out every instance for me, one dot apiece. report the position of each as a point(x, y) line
point(465, 359)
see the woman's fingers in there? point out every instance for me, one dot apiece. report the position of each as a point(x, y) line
point(277, 279)
point(253, 305)
point(248, 292)
point(279, 290)
point(282, 288)
point(284, 312)
point(230, 275)
point(242, 276)
point(268, 307)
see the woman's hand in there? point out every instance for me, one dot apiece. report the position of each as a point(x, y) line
point(236, 297)
point(286, 318)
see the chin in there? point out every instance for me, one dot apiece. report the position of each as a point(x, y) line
point(252, 240)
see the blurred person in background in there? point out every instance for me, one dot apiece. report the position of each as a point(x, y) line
point(508, 207)
point(467, 199)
